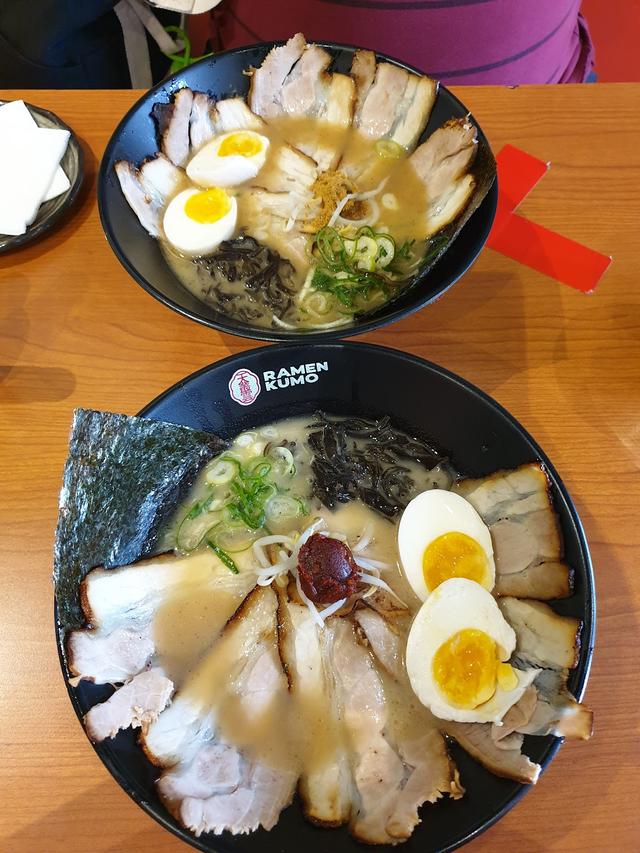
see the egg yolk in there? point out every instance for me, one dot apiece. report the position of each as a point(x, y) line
point(241, 144)
point(466, 669)
point(454, 555)
point(207, 206)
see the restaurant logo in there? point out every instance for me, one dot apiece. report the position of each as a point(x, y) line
point(244, 386)
point(295, 374)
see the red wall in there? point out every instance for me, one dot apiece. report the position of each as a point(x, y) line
point(615, 30)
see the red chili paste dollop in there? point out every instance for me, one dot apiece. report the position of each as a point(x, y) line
point(326, 569)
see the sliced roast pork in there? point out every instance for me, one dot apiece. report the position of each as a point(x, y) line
point(386, 642)
point(556, 711)
point(441, 164)
point(551, 642)
point(203, 121)
point(325, 780)
point(216, 769)
point(300, 95)
point(112, 598)
point(517, 507)
point(287, 170)
point(477, 740)
point(363, 70)
point(378, 770)
point(396, 105)
point(110, 658)
point(267, 80)
point(125, 640)
point(234, 114)
point(223, 789)
point(543, 637)
point(137, 704)
point(172, 120)
point(190, 721)
point(148, 189)
point(431, 775)
point(377, 112)
point(214, 786)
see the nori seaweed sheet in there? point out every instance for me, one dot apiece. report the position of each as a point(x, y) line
point(122, 481)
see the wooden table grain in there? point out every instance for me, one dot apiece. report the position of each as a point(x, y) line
point(75, 330)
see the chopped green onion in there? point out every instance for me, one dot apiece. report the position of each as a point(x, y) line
point(223, 557)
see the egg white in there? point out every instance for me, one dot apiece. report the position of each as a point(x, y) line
point(432, 514)
point(196, 238)
point(209, 169)
point(453, 606)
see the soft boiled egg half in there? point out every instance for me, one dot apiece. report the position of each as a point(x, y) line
point(229, 159)
point(197, 221)
point(457, 650)
point(441, 536)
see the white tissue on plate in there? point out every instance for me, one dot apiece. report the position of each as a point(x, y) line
point(30, 171)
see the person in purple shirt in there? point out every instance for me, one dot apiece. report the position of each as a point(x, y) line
point(101, 44)
point(457, 41)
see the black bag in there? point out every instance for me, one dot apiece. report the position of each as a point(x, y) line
point(68, 44)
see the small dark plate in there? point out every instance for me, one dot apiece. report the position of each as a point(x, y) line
point(52, 211)
point(223, 76)
point(479, 436)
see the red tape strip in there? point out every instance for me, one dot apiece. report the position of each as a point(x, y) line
point(533, 245)
point(518, 173)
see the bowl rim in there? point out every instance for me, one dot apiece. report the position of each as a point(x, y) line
point(488, 204)
point(589, 616)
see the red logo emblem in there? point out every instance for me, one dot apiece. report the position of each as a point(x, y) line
point(244, 387)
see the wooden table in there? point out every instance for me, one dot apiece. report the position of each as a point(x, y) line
point(77, 331)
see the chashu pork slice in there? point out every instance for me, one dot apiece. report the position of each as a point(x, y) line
point(552, 642)
point(216, 769)
point(325, 775)
point(267, 80)
point(363, 71)
point(216, 786)
point(377, 112)
point(300, 95)
point(234, 114)
point(287, 170)
point(263, 791)
point(543, 637)
point(378, 771)
point(334, 111)
point(504, 760)
point(528, 548)
point(172, 121)
point(396, 105)
point(190, 721)
point(258, 801)
point(441, 164)
point(110, 658)
point(136, 704)
point(431, 775)
point(112, 598)
point(203, 121)
point(429, 770)
point(149, 189)
point(386, 641)
point(556, 711)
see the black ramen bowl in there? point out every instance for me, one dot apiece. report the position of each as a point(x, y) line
point(223, 76)
point(429, 402)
